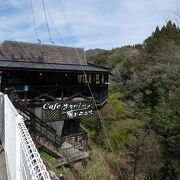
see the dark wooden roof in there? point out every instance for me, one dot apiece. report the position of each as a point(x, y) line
point(39, 53)
point(47, 67)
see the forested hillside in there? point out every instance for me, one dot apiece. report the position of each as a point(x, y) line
point(142, 115)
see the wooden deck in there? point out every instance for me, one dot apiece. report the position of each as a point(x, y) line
point(67, 153)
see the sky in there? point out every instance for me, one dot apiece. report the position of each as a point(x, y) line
point(85, 23)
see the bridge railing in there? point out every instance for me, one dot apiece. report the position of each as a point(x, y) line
point(23, 161)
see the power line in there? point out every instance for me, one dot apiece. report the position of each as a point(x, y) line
point(57, 31)
point(44, 9)
point(76, 51)
point(99, 115)
point(34, 22)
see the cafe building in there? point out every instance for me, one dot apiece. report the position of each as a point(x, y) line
point(53, 87)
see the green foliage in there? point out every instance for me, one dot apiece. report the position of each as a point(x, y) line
point(142, 114)
point(125, 133)
point(93, 126)
point(138, 145)
point(100, 59)
point(115, 109)
point(165, 120)
point(95, 170)
point(46, 157)
point(158, 41)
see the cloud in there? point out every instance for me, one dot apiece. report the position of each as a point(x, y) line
point(84, 23)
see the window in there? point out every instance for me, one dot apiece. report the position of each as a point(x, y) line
point(89, 78)
point(82, 78)
point(106, 79)
point(102, 79)
point(97, 79)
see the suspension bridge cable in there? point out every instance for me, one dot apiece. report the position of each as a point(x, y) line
point(52, 43)
point(34, 22)
point(76, 51)
point(47, 25)
point(49, 33)
point(99, 115)
point(35, 26)
point(56, 28)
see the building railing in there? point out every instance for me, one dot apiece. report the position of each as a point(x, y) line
point(74, 144)
point(100, 93)
point(50, 93)
point(23, 161)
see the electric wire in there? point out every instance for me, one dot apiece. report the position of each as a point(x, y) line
point(55, 25)
point(47, 25)
point(99, 115)
point(34, 22)
point(76, 51)
point(35, 26)
point(52, 43)
point(101, 119)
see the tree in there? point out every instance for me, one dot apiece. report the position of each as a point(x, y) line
point(138, 145)
point(142, 115)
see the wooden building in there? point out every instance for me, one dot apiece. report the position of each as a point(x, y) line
point(53, 87)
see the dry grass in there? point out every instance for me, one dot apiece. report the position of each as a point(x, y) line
point(96, 168)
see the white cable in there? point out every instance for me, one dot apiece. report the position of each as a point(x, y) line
point(99, 115)
point(33, 16)
point(45, 15)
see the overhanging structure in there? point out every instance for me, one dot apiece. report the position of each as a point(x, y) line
point(39, 77)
